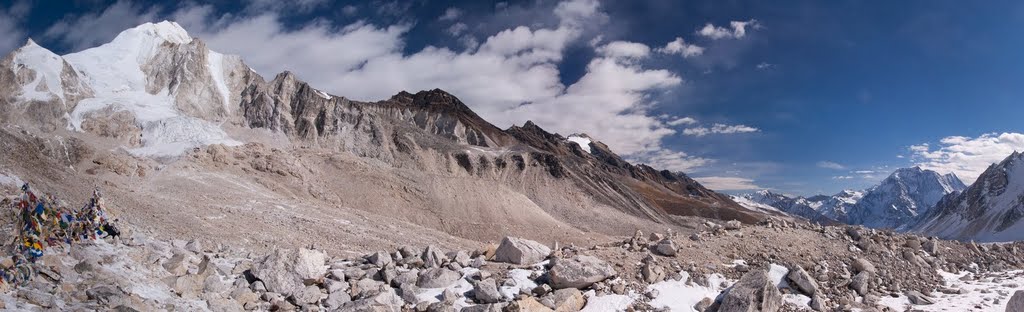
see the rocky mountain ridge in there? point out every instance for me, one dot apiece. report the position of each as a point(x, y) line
point(989, 210)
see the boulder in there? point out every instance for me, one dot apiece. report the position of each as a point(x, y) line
point(1016, 302)
point(486, 291)
point(177, 265)
point(432, 257)
point(579, 272)
point(521, 251)
point(336, 300)
point(733, 225)
point(527, 304)
point(861, 265)
point(666, 247)
point(308, 295)
point(286, 271)
point(753, 292)
point(568, 300)
point(802, 280)
point(918, 298)
point(379, 259)
point(860, 282)
point(437, 278)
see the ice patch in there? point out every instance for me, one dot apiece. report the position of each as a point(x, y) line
point(682, 295)
point(982, 292)
point(583, 142)
point(777, 274)
point(47, 67)
point(322, 94)
point(521, 282)
point(215, 62)
point(173, 136)
point(10, 179)
point(607, 303)
point(799, 300)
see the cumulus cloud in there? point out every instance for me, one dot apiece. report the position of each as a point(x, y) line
point(680, 47)
point(728, 183)
point(13, 36)
point(624, 49)
point(736, 30)
point(719, 129)
point(830, 165)
point(92, 29)
point(967, 157)
point(450, 14)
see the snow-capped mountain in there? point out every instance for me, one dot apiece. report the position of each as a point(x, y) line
point(807, 208)
point(893, 203)
point(989, 210)
point(155, 78)
point(902, 197)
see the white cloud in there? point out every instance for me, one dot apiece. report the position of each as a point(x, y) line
point(457, 29)
point(830, 165)
point(728, 183)
point(624, 49)
point(842, 177)
point(92, 29)
point(765, 66)
point(10, 18)
point(967, 157)
point(672, 161)
point(680, 47)
point(736, 30)
point(719, 129)
point(682, 121)
point(450, 14)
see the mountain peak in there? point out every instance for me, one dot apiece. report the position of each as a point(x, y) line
point(166, 31)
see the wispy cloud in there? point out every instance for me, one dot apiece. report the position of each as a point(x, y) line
point(10, 20)
point(736, 30)
point(450, 14)
point(682, 48)
point(728, 183)
point(830, 165)
point(719, 129)
point(966, 156)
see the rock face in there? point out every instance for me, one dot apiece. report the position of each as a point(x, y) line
point(286, 270)
point(521, 251)
point(989, 210)
point(579, 272)
point(753, 292)
point(1016, 302)
point(802, 280)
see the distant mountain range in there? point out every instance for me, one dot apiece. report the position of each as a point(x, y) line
point(895, 203)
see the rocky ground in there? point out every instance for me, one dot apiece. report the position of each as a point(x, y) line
point(773, 266)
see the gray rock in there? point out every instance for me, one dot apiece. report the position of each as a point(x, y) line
point(437, 278)
point(286, 271)
point(651, 272)
point(334, 286)
point(379, 259)
point(1016, 302)
point(408, 277)
point(408, 293)
point(337, 300)
point(579, 272)
point(753, 292)
point(703, 304)
point(568, 299)
point(666, 247)
point(384, 301)
point(860, 282)
point(449, 296)
point(308, 295)
point(521, 251)
point(484, 308)
point(486, 291)
point(460, 257)
point(861, 265)
point(817, 303)
point(432, 257)
point(733, 225)
point(177, 265)
point(918, 298)
point(802, 280)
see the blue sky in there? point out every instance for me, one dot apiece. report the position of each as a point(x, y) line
point(802, 97)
